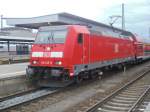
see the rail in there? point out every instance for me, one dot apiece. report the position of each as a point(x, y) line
point(21, 98)
point(97, 106)
point(140, 99)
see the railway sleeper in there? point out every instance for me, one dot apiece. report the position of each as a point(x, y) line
point(140, 110)
point(133, 91)
point(125, 98)
point(106, 110)
point(122, 101)
point(137, 88)
point(119, 104)
point(115, 108)
point(140, 86)
point(145, 103)
point(129, 96)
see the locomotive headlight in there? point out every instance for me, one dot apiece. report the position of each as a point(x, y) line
point(34, 62)
point(58, 62)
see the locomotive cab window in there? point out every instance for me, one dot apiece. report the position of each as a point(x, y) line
point(80, 38)
point(51, 36)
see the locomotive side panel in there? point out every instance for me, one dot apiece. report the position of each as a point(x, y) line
point(107, 48)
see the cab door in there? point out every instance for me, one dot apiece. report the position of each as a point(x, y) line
point(86, 49)
point(83, 48)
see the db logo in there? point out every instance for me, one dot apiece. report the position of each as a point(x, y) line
point(116, 48)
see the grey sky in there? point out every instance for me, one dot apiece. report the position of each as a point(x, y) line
point(137, 16)
point(136, 11)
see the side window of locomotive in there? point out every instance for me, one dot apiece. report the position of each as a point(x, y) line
point(80, 38)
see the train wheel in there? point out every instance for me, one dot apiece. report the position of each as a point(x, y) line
point(78, 79)
point(94, 76)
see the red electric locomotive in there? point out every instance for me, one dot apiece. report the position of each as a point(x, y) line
point(68, 53)
point(146, 47)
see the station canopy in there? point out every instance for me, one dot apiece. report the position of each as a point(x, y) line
point(19, 39)
point(54, 19)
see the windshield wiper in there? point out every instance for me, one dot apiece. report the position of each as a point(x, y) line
point(53, 40)
point(49, 38)
point(52, 35)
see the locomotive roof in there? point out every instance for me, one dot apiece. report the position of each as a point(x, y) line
point(61, 19)
point(59, 27)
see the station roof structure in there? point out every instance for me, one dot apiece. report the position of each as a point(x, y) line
point(13, 38)
point(56, 19)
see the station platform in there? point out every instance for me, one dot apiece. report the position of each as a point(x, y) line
point(5, 59)
point(12, 70)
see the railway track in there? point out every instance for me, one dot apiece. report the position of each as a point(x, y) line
point(141, 107)
point(126, 98)
point(18, 94)
point(28, 96)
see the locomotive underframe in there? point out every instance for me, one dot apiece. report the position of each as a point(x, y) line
point(57, 73)
point(92, 66)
